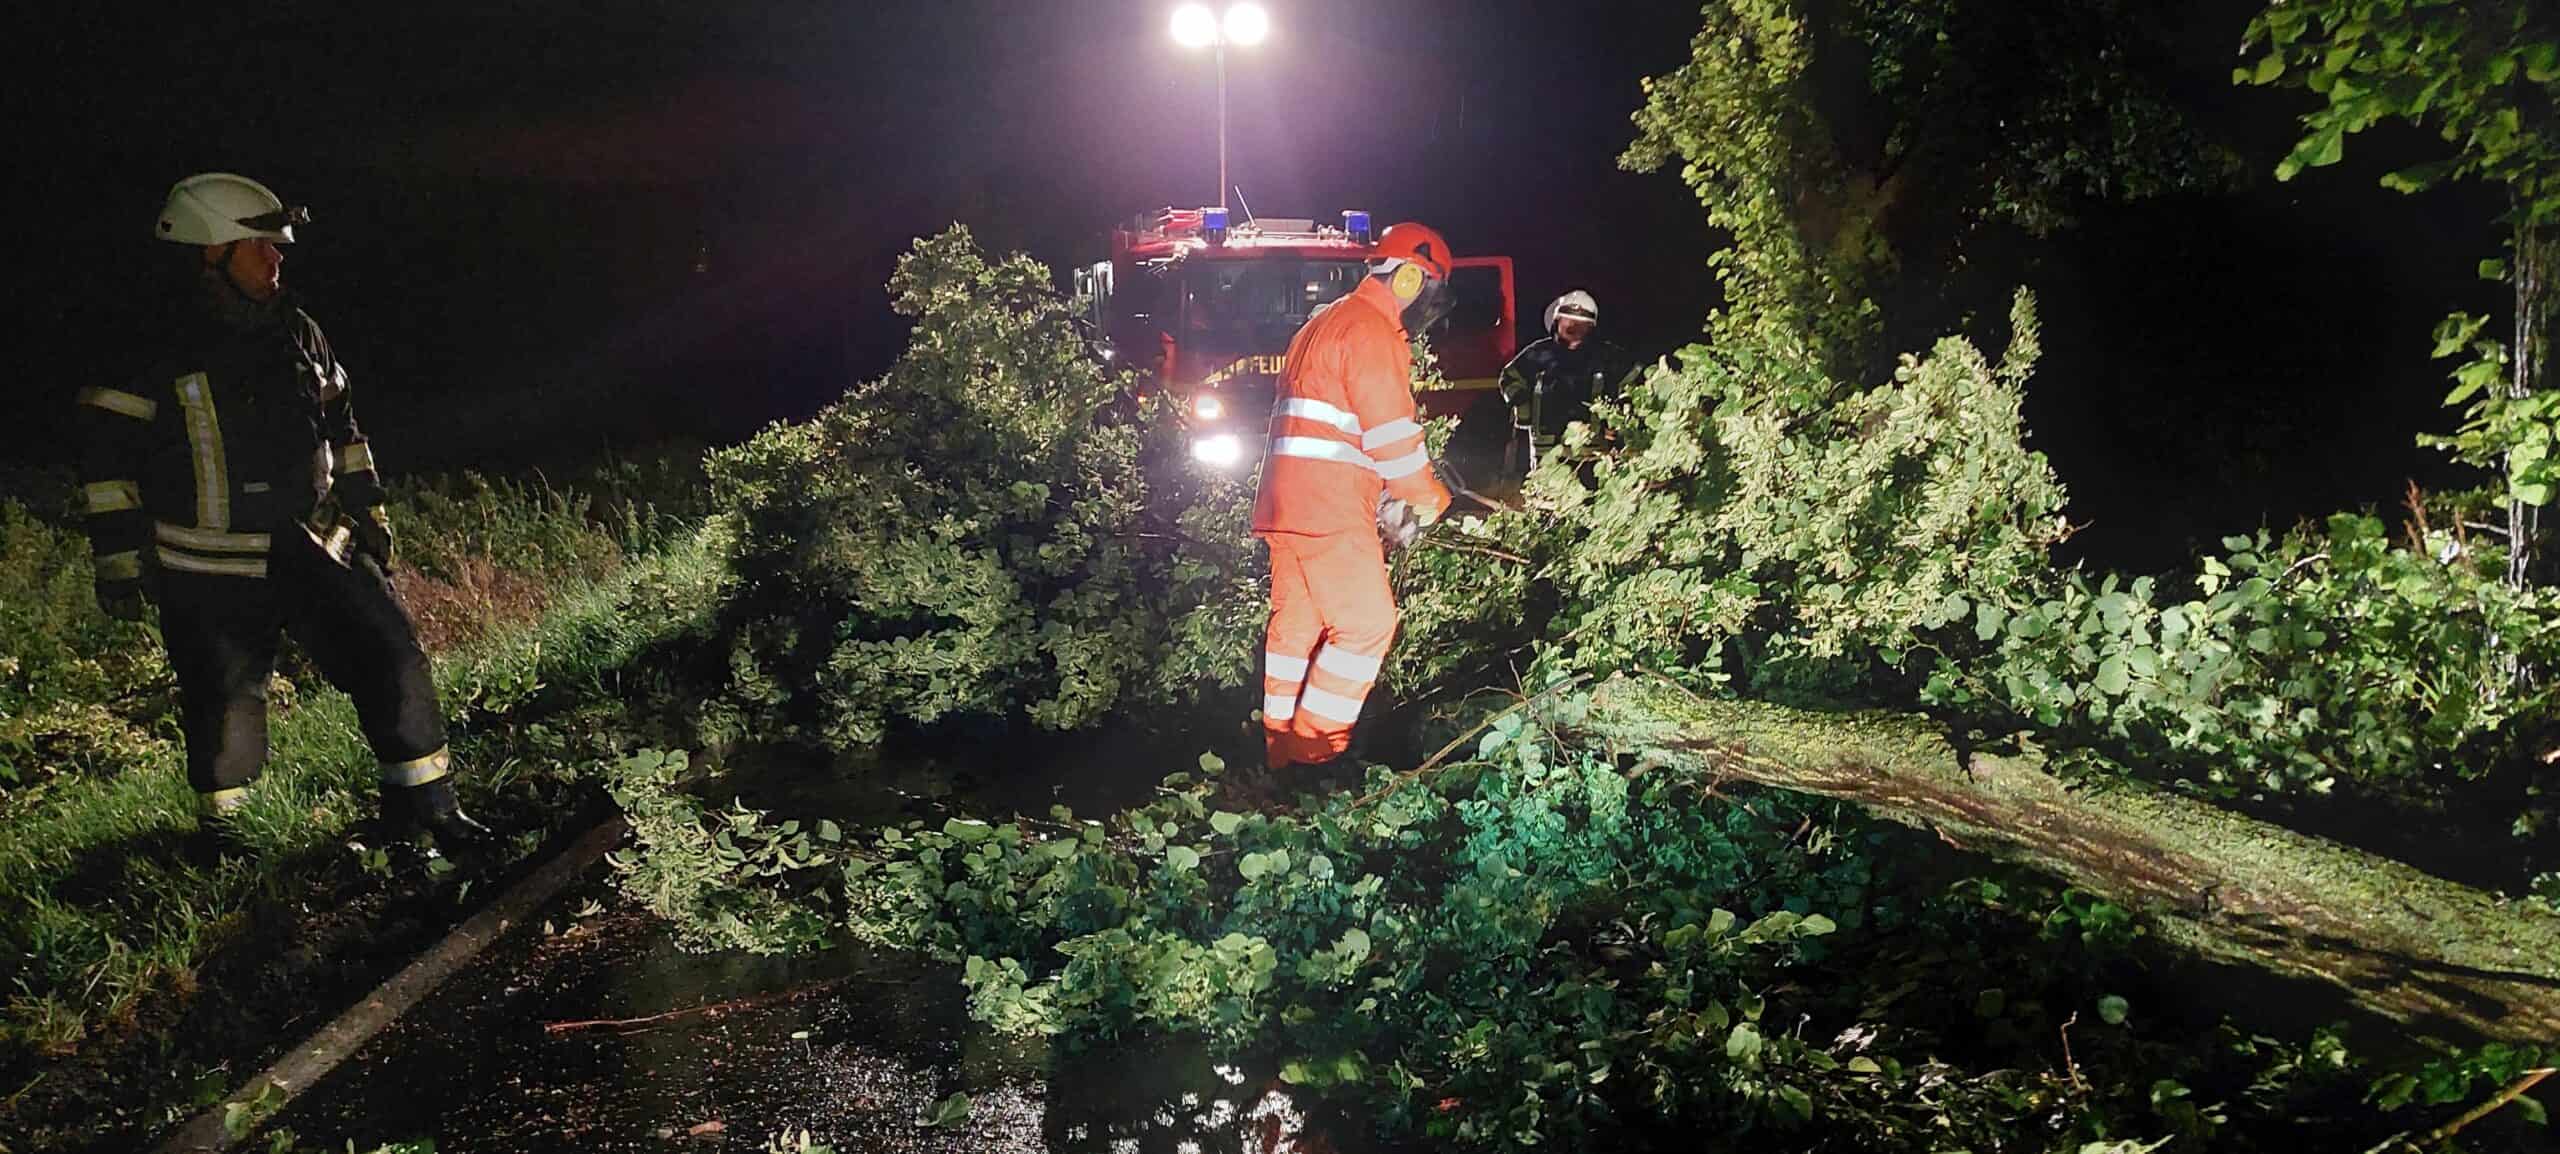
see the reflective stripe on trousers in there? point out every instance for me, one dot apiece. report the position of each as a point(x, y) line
point(1332, 619)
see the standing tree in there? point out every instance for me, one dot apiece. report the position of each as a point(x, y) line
point(1854, 148)
point(2485, 74)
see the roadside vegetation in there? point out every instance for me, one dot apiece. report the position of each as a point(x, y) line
point(105, 954)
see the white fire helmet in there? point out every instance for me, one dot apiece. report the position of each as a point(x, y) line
point(219, 208)
point(1576, 304)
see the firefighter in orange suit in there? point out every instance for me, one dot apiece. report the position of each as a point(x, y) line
point(1346, 455)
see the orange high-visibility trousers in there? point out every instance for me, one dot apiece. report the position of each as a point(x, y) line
point(1332, 618)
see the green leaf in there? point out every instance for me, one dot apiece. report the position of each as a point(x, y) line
point(1226, 823)
point(1864, 1065)
point(1816, 925)
point(1990, 1002)
point(2493, 269)
point(948, 1112)
point(1253, 865)
point(1744, 1043)
point(1720, 923)
point(2531, 1111)
point(2113, 676)
point(1212, 763)
point(966, 829)
point(2111, 1010)
point(2269, 68)
point(1182, 857)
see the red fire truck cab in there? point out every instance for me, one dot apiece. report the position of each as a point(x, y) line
point(1206, 309)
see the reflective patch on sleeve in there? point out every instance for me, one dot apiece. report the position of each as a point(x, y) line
point(1404, 466)
point(111, 496)
point(125, 566)
point(356, 458)
point(1390, 433)
point(121, 403)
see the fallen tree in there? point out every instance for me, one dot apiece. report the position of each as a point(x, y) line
point(2442, 959)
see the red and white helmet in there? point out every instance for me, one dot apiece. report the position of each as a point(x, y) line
point(219, 208)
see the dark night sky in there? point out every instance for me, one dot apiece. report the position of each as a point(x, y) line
point(509, 199)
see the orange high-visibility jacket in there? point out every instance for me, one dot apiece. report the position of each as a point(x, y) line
point(1344, 424)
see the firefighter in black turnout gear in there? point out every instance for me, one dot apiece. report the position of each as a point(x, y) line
point(228, 481)
point(1551, 383)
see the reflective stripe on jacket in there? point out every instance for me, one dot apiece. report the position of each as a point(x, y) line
point(1344, 426)
point(232, 434)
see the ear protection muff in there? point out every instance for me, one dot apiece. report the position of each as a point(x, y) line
point(1407, 281)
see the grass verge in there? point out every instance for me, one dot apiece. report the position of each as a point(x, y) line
point(109, 926)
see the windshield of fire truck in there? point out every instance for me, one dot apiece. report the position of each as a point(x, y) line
point(1240, 307)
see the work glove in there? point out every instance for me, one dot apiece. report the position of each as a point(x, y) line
point(373, 535)
point(1398, 525)
point(121, 600)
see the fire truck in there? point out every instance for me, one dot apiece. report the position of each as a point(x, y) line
point(1206, 309)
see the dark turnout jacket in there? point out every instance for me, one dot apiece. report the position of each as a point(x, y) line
point(1552, 386)
point(239, 426)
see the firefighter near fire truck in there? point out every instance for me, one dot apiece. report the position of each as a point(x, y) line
point(228, 482)
point(1346, 477)
point(1553, 381)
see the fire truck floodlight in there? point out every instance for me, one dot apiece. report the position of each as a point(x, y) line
point(1247, 24)
point(1194, 26)
point(1218, 452)
point(1209, 408)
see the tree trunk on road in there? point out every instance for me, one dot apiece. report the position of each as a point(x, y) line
point(2443, 960)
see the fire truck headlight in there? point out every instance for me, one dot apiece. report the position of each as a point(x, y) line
point(1222, 451)
point(1208, 408)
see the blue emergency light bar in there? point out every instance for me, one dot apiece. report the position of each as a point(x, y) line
point(1213, 224)
point(1356, 222)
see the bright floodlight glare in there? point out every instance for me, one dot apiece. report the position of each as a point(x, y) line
point(1218, 452)
point(1209, 408)
point(1248, 24)
point(1194, 26)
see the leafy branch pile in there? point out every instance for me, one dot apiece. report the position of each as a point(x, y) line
point(990, 529)
point(1541, 944)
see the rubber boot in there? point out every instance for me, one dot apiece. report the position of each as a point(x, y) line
point(434, 808)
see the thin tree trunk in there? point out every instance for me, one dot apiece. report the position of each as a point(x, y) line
point(2523, 520)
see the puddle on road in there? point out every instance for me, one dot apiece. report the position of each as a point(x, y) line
point(872, 1042)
